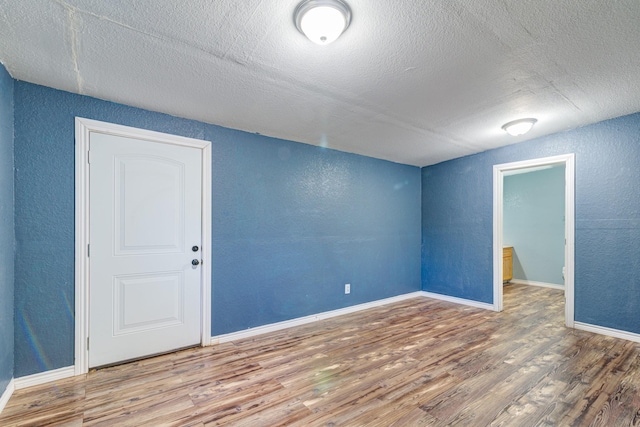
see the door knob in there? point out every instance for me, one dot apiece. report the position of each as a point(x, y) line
point(195, 262)
point(195, 248)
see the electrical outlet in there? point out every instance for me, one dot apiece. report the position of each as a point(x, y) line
point(347, 288)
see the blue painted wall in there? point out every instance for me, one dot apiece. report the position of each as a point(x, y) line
point(7, 235)
point(533, 220)
point(292, 223)
point(457, 220)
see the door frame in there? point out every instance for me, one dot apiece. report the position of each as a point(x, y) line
point(83, 129)
point(568, 160)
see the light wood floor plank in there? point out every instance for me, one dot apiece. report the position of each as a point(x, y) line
point(418, 362)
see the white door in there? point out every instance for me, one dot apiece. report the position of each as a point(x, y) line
point(144, 233)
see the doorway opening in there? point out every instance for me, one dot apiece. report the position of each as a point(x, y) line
point(499, 172)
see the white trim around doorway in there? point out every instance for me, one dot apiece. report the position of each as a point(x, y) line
point(568, 160)
point(83, 129)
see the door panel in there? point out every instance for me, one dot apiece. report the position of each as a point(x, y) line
point(134, 312)
point(145, 216)
point(138, 183)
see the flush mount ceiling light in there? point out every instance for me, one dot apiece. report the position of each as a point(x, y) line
point(519, 127)
point(322, 21)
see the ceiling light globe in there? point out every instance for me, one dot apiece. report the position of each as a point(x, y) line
point(519, 127)
point(322, 21)
point(322, 25)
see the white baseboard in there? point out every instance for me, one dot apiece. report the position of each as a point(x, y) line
point(44, 377)
point(272, 327)
point(616, 333)
point(457, 300)
point(259, 330)
point(540, 284)
point(6, 395)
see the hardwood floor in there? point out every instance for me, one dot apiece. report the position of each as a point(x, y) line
point(420, 362)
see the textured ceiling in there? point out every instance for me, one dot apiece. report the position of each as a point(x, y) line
point(411, 81)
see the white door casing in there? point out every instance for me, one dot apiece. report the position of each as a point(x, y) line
point(568, 160)
point(142, 202)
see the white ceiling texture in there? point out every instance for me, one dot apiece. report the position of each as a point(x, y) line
point(411, 81)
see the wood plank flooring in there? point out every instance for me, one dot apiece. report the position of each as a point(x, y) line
point(420, 362)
